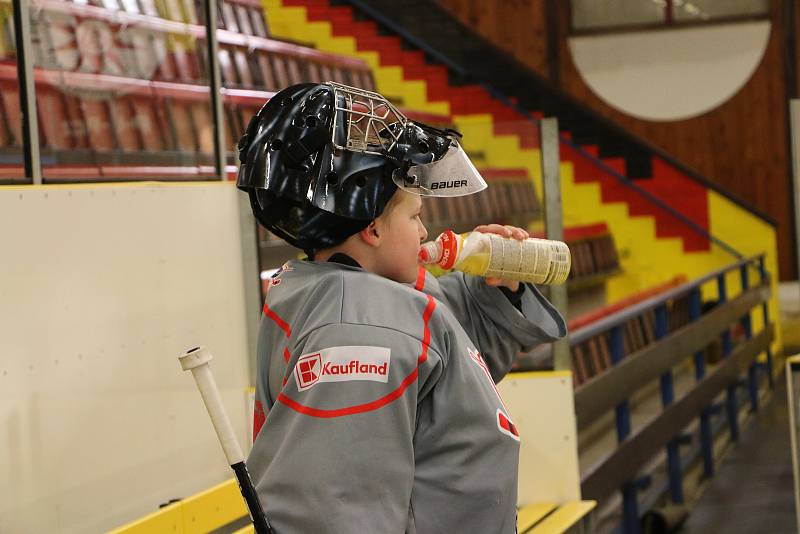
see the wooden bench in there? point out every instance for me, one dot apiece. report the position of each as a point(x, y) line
point(551, 518)
point(592, 357)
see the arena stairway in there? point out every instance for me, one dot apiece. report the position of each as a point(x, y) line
point(667, 220)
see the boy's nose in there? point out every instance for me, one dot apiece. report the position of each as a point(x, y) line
point(423, 232)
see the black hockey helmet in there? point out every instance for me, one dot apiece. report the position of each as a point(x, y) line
point(320, 161)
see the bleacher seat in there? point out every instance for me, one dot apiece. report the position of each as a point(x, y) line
point(592, 357)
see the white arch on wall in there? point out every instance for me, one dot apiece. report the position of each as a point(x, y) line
point(670, 75)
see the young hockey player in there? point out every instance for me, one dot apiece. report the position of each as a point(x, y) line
point(376, 406)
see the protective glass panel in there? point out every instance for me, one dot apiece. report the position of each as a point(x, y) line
point(699, 10)
point(254, 67)
point(591, 14)
point(252, 70)
point(11, 159)
point(248, 79)
point(122, 90)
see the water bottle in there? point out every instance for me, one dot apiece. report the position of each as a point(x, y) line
point(540, 261)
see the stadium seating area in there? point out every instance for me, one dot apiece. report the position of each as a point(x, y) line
point(122, 89)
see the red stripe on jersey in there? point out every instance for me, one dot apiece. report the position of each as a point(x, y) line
point(258, 419)
point(426, 331)
point(378, 403)
point(420, 285)
point(286, 355)
point(283, 325)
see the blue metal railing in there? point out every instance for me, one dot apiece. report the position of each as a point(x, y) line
point(611, 328)
point(630, 515)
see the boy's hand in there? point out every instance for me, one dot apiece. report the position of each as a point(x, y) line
point(505, 231)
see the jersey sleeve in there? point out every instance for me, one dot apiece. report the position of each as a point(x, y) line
point(499, 329)
point(336, 451)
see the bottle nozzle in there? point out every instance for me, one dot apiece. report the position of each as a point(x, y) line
point(430, 252)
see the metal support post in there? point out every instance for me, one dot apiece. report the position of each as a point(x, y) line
point(252, 279)
point(793, 398)
point(747, 327)
point(630, 505)
point(706, 440)
point(215, 84)
point(674, 469)
point(554, 225)
point(617, 352)
point(27, 90)
point(794, 124)
point(765, 309)
point(730, 399)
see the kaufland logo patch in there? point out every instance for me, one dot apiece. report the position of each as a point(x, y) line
point(342, 364)
point(306, 371)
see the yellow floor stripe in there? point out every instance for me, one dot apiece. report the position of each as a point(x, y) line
point(532, 514)
point(198, 514)
point(543, 374)
point(168, 519)
point(565, 517)
point(213, 508)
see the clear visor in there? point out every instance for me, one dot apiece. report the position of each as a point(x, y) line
point(452, 176)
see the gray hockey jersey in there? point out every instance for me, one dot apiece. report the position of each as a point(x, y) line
point(376, 406)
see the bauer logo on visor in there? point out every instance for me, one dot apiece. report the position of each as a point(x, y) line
point(342, 364)
point(453, 175)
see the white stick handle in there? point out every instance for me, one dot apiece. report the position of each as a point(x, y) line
point(196, 361)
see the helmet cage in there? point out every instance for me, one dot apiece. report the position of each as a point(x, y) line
point(371, 124)
point(368, 123)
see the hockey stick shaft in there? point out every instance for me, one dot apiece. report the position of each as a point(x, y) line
point(196, 361)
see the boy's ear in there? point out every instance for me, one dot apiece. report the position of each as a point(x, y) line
point(371, 235)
